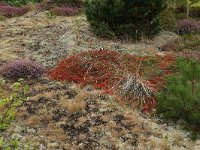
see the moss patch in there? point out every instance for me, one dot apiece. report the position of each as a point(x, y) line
point(189, 42)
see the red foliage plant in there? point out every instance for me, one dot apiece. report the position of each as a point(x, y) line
point(108, 70)
point(9, 11)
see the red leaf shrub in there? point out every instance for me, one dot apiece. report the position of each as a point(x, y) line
point(9, 11)
point(65, 11)
point(21, 69)
point(187, 26)
point(109, 70)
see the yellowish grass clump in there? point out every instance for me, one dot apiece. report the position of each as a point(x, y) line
point(78, 104)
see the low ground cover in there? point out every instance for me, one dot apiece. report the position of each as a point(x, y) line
point(115, 73)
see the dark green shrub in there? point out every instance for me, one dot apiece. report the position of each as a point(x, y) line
point(124, 17)
point(168, 19)
point(180, 100)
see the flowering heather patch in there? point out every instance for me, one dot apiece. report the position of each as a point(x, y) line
point(189, 55)
point(21, 69)
point(60, 7)
point(187, 26)
point(3, 4)
point(65, 11)
point(9, 11)
point(114, 72)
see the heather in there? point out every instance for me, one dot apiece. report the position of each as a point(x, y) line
point(186, 26)
point(72, 3)
point(65, 11)
point(21, 69)
point(11, 11)
point(20, 2)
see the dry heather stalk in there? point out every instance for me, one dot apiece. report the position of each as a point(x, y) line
point(134, 87)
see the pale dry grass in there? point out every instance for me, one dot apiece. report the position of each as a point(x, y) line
point(49, 94)
point(54, 133)
point(5, 55)
point(78, 104)
point(32, 121)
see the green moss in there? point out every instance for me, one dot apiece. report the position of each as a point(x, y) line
point(2, 18)
point(189, 42)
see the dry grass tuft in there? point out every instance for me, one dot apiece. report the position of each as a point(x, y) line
point(78, 104)
point(33, 121)
point(54, 133)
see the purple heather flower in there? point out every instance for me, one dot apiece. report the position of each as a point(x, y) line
point(65, 11)
point(21, 69)
point(187, 26)
point(9, 11)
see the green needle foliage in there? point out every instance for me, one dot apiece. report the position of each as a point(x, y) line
point(10, 101)
point(180, 100)
point(116, 18)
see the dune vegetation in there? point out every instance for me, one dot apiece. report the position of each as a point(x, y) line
point(100, 74)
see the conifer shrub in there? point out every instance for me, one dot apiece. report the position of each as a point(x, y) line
point(180, 99)
point(120, 18)
point(25, 69)
point(186, 26)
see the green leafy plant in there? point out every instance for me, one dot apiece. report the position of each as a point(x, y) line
point(10, 98)
point(50, 15)
point(2, 18)
point(180, 99)
point(118, 18)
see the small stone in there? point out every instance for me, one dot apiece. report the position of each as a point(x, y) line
point(18, 129)
point(31, 130)
point(52, 145)
point(42, 147)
